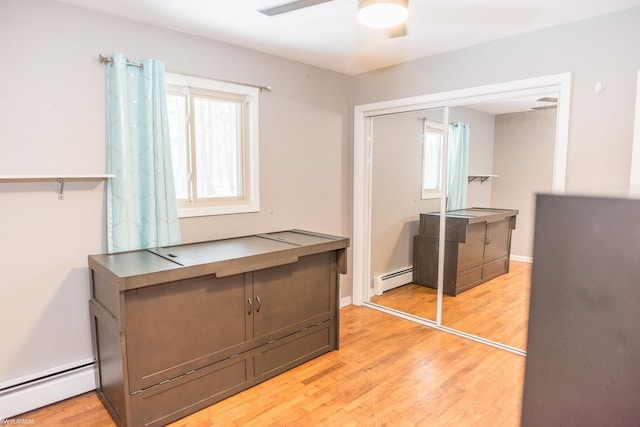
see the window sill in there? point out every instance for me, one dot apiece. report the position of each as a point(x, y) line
point(428, 196)
point(218, 210)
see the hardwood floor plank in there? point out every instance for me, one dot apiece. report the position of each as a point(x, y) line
point(388, 371)
point(497, 310)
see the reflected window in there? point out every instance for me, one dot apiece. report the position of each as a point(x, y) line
point(433, 136)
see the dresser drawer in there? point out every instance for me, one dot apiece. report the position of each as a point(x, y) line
point(285, 353)
point(169, 401)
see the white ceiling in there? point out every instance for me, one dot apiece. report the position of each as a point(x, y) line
point(327, 35)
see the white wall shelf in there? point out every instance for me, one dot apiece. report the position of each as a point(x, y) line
point(60, 178)
point(482, 178)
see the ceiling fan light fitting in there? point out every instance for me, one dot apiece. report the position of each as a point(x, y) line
point(383, 13)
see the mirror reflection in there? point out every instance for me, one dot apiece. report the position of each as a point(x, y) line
point(401, 190)
point(500, 155)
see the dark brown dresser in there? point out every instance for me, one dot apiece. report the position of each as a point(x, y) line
point(477, 247)
point(176, 329)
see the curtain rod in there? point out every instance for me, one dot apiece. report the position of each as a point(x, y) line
point(107, 60)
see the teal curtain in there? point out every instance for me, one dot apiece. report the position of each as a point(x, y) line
point(141, 202)
point(458, 166)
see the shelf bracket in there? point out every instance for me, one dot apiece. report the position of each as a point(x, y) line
point(60, 188)
point(59, 178)
point(482, 178)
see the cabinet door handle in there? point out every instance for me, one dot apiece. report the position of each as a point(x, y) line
point(249, 306)
point(257, 304)
point(487, 240)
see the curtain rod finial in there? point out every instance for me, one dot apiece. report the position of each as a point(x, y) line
point(104, 59)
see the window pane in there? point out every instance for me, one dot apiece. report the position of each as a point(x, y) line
point(176, 105)
point(218, 145)
point(432, 161)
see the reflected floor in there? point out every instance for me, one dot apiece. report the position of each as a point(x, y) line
point(497, 310)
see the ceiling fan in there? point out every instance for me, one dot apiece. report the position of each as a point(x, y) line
point(398, 30)
point(291, 6)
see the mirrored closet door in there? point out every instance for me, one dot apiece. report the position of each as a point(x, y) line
point(489, 158)
point(406, 181)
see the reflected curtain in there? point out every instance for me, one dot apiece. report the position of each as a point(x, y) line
point(141, 202)
point(458, 166)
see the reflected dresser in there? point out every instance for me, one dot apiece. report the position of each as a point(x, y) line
point(477, 247)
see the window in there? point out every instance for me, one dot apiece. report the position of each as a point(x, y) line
point(432, 160)
point(214, 145)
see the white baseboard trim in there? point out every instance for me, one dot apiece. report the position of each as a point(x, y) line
point(385, 282)
point(42, 392)
point(521, 258)
point(345, 301)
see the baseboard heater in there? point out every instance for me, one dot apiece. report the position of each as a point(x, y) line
point(29, 393)
point(385, 282)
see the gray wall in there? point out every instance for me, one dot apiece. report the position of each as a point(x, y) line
point(52, 106)
point(523, 159)
point(601, 125)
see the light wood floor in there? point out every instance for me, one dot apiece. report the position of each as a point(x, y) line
point(388, 371)
point(497, 310)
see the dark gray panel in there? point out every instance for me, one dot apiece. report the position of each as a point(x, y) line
point(583, 357)
point(220, 250)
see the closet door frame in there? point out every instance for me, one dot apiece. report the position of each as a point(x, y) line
point(362, 166)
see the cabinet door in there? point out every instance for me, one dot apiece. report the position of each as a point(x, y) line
point(471, 252)
point(294, 296)
point(498, 240)
point(180, 326)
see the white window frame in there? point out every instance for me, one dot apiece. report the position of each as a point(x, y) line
point(250, 201)
point(434, 127)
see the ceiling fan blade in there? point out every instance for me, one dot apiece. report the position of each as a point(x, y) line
point(291, 6)
point(397, 31)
